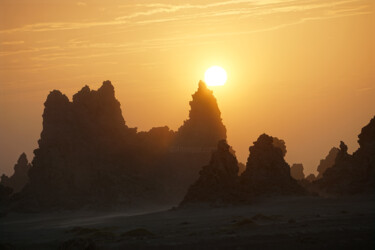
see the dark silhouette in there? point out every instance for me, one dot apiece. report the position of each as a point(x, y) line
point(218, 181)
point(204, 127)
point(310, 178)
point(296, 171)
point(20, 176)
point(328, 162)
point(266, 170)
point(194, 142)
point(279, 144)
point(88, 155)
point(353, 173)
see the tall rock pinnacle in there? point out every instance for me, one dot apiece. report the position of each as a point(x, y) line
point(204, 126)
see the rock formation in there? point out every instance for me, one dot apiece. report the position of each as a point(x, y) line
point(20, 177)
point(266, 170)
point(310, 178)
point(218, 181)
point(328, 162)
point(296, 171)
point(88, 155)
point(279, 144)
point(353, 173)
point(86, 151)
point(204, 128)
point(241, 167)
point(194, 142)
point(5, 193)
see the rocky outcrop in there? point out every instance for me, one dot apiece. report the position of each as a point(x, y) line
point(194, 142)
point(218, 181)
point(204, 128)
point(88, 155)
point(328, 162)
point(296, 171)
point(86, 151)
point(279, 143)
point(20, 177)
point(353, 173)
point(5, 193)
point(266, 170)
point(310, 178)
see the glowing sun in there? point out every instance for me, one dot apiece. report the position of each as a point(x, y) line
point(215, 76)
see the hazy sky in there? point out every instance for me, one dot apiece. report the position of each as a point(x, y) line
point(303, 71)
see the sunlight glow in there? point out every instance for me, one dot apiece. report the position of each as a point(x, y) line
point(215, 76)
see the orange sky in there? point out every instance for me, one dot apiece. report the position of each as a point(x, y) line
point(303, 71)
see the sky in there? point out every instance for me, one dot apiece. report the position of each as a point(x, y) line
point(300, 70)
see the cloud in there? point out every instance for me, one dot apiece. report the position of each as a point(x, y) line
point(81, 3)
point(13, 42)
point(151, 13)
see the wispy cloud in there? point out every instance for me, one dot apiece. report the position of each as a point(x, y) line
point(13, 42)
point(81, 3)
point(151, 13)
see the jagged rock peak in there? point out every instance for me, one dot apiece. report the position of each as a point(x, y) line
point(204, 103)
point(55, 97)
point(22, 160)
point(280, 144)
point(107, 88)
point(106, 91)
point(296, 171)
point(204, 126)
point(367, 135)
point(20, 177)
point(327, 162)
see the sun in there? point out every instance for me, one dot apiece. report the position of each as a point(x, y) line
point(215, 76)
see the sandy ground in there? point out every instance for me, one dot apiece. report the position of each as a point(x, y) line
point(269, 223)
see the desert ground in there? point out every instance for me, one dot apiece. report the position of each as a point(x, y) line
point(290, 222)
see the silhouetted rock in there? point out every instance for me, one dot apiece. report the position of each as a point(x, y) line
point(204, 128)
point(353, 173)
point(279, 144)
point(241, 168)
point(266, 170)
point(218, 181)
point(20, 177)
point(296, 171)
point(194, 142)
point(86, 151)
point(328, 162)
point(310, 178)
point(5, 193)
point(88, 155)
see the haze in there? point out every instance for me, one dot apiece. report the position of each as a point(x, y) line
point(300, 70)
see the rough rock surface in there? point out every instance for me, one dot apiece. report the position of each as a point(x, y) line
point(86, 151)
point(266, 170)
point(296, 171)
point(5, 193)
point(204, 127)
point(20, 177)
point(218, 181)
point(194, 142)
point(328, 162)
point(310, 178)
point(353, 173)
point(88, 155)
